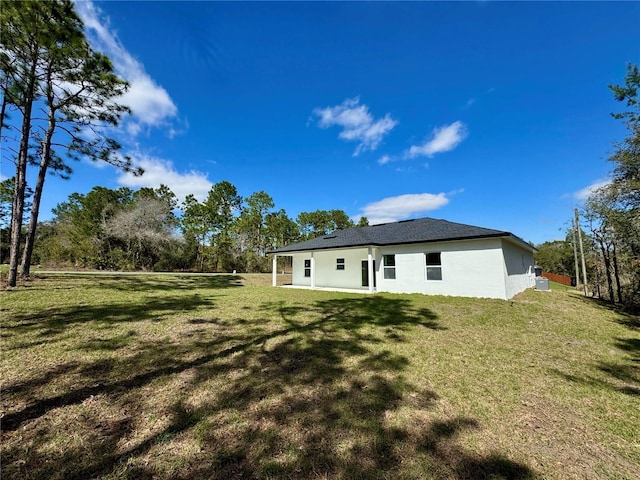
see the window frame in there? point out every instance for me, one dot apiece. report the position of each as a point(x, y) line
point(340, 264)
point(307, 268)
point(433, 266)
point(389, 270)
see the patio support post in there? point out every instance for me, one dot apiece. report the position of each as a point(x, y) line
point(274, 275)
point(370, 268)
point(313, 271)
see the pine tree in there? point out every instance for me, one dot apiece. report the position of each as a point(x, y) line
point(49, 67)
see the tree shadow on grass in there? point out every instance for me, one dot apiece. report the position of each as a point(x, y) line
point(393, 316)
point(623, 376)
point(142, 282)
point(171, 282)
point(48, 323)
point(625, 318)
point(627, 372)
point(323, 394)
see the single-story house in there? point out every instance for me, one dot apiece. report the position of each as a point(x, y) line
point(422, 255)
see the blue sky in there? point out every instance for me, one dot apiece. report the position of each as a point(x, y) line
point(494, 114)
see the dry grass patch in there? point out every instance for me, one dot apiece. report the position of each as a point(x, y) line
point(180, 376)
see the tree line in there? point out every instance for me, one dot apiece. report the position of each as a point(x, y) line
point(610, 216)
point(61, 102)
point(147, 229)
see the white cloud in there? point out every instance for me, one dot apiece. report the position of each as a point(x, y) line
point(392, 209)
point(443, 139)
point(588, 190)
point(162, 172)
point(384, 159)
point(150, 103)
point(357, 123)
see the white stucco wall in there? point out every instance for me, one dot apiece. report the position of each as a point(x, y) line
point(518, 265)
point(326, 272)
point(491, 268)
point(469, 269)
point(298, 277)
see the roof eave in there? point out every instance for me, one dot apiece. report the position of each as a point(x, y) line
point(355, 245)
point(507, 235)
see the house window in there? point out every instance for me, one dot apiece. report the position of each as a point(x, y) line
point(307, 267)
point(434, 265)
point(339, 263)
point(389, 263)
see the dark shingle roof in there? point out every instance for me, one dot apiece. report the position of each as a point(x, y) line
point(419, 230)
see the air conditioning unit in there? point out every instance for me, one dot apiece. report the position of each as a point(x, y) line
point(542, 283)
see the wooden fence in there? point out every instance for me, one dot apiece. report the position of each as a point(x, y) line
point(563, 279)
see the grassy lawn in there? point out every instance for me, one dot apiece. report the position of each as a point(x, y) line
point(225, 377)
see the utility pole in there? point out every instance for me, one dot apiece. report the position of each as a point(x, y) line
point(575, 248)
point(584, 267)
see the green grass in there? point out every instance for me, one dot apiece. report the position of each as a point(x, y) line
point(222, 377)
